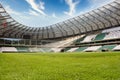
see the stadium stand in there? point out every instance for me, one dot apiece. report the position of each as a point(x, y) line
point(100, 36)
point(97, 30)
point(117, 48)
point(112, 35)
point(72, 49)
point(80, 39)
point(22, 49)
point(91, 49)
point(8, 49)
point(81, 49)
point(89, 38)
point(107, 47)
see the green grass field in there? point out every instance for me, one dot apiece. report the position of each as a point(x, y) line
point(60, 66)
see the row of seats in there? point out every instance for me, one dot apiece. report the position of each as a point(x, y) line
point(100, 36)
point(8, 49)
point(112, 35)
point(89, 38)
point(24, 49)
point(94, 48)
point(92, 37)
point(77, 49)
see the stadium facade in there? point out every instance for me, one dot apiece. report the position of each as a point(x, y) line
point(97, 30)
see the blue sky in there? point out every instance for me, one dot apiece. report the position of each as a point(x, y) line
point(40, 13)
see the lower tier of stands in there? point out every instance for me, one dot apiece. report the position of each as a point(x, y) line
point(76, 49)
point(96, 48)
point(23, 49)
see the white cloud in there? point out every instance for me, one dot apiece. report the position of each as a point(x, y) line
point(41, 6)
point(11, 11)
point(27, 18)
point(37, 7)
point(72, 5)
point(31, 12)
point(54, 15)
point(19, 17)
point(94, 5)
point(100, 2)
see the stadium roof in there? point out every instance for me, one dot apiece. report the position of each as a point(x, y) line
point(104, 17)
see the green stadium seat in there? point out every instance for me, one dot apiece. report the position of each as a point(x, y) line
point(81, 49)
point(66, 49)
point(100, 36)
point(79, 40)
point(45, 50)
point(22, 49)
point(107, 47)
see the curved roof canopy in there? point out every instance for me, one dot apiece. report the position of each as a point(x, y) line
point(104, 17)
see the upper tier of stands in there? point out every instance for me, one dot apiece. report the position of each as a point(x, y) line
point(105, 35)
point(107, 16)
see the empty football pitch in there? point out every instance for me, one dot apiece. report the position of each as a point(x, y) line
point(60, 66)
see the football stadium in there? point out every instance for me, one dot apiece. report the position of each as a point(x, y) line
point(84, 47)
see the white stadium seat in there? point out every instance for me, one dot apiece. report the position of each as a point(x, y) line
point(8, 49)
point(93, 48)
